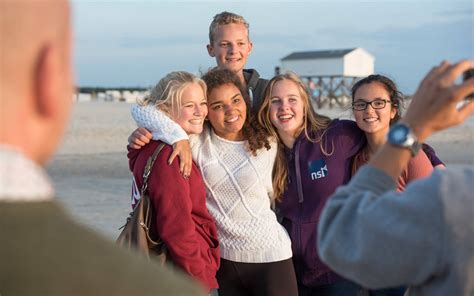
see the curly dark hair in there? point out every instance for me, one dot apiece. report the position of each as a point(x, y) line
point(396, 96)
point(254, 133)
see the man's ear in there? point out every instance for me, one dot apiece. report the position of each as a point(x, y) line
point(46, 81)
point(250, 47)
point(210, 50)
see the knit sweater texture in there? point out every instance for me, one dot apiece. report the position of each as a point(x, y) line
point(239, 187)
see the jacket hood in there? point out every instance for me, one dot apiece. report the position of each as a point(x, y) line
point(251, 77)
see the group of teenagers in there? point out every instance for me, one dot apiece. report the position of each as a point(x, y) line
point(239, 210)
point(243, 217)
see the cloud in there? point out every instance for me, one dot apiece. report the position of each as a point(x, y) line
point(136, 43)
point(458, 13)
point(416, 51)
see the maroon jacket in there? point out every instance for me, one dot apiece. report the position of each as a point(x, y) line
point(182, 219)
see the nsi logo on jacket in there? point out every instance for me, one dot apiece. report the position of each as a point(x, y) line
point(317, 169)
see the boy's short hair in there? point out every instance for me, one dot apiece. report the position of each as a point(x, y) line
point(225, 18)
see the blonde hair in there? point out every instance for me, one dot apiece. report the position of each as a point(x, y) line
point(313, 124)
point(226, 18)
point(167, 93)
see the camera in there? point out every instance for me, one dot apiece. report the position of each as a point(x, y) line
point(469, 74)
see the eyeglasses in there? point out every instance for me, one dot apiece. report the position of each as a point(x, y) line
point(376, 104)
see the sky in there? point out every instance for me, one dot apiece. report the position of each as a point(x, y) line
point(135, 43)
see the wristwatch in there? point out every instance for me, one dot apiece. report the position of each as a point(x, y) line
point(401, 135)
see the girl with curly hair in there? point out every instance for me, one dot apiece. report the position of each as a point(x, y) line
point(236, 156)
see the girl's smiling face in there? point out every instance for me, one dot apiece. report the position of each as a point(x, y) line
point(193, 109)
point(227, 111)
point(286, 108)
point(370, 120)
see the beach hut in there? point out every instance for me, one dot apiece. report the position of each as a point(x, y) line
point(113, 95)
point(132, 96)
point(83, 97)
point(330, 73)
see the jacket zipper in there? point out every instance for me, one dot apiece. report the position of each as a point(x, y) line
point(298, 173)
point(252, 102)
point(299, 187)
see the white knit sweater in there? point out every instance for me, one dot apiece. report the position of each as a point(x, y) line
point(238, 186)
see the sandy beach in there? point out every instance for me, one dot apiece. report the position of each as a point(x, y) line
point(90, 169)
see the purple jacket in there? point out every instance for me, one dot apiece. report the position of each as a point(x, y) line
point(313, 177)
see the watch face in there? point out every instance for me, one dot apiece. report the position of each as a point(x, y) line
point(398, 134)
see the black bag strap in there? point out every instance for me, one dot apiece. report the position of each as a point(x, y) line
point(149, 166)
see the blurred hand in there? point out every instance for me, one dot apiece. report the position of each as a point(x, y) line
point(139, 138)
point(183, 150)
point(434, 106)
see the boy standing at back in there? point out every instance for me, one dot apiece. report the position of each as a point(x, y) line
point(230, 45)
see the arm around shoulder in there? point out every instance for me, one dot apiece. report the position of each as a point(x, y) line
point(158, 123)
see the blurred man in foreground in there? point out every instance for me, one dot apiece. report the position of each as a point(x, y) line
point(424, 236)
point(42, 251)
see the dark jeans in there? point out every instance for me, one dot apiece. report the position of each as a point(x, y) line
point(388, 292)
point(344, 288)
point(259, 279)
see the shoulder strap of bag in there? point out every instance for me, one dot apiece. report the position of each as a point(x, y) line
point(149, 166)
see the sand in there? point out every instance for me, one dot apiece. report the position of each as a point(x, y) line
point(91, 175)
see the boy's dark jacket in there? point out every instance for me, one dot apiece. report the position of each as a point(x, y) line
point(255, 87)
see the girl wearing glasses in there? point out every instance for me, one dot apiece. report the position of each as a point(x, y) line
point(376, 104)
point(315, 156)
